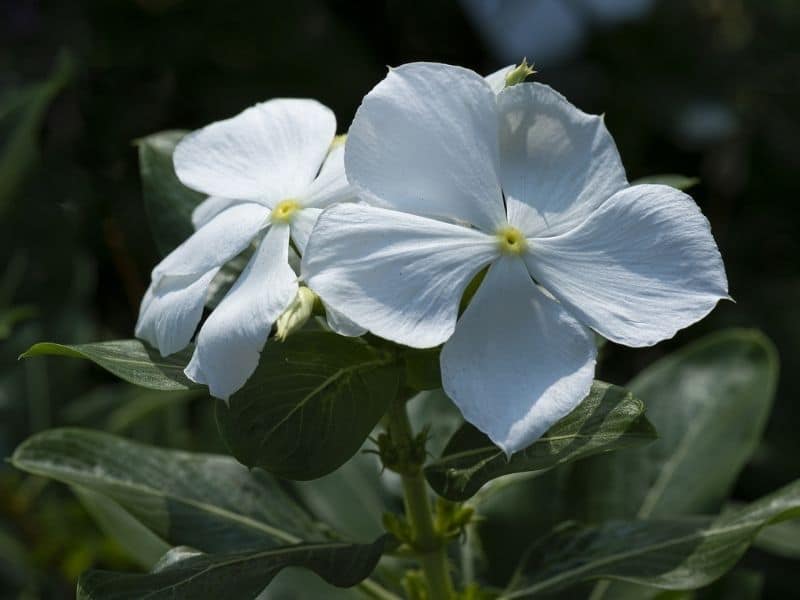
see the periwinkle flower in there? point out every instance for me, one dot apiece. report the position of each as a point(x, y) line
point(269, 172)
point(523, 182)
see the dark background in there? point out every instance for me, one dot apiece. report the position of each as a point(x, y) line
point(707, 88)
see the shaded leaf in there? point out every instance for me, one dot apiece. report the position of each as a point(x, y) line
point(310, 404)
point(782, 539)
point(242, 575)
point(131, 360)
point(141, 544)
point(22, 113)
point(205, 501)
point(11, 316)
point(168, 203)
point(608, 419)
point(709, 402)
point(680, 182)
point(678, 554)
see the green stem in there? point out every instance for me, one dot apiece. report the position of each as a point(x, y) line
point(428, 544)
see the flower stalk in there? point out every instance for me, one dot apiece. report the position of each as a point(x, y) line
point(426, 542)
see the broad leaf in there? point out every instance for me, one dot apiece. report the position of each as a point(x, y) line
point(709, 403)
point(243, 575)
point(205, 501)
point(169, 204)
point(310, 404)
point(131, 360)
point(681, 182)
point(141, 544)
point(608, 419)
point(678, 554)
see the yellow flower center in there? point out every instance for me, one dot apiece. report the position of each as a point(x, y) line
point(511, 240)
point(284, 210)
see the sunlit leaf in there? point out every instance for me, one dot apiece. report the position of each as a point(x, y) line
point(608, 419)
point(131, 360)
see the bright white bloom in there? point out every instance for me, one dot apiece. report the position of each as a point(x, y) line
point(524, 182)
point(269, 172)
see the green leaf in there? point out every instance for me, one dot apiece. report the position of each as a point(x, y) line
point(22, 114)
point(422, 369)
point(678, 554)
point(782, 539)
point(608, 419)
point(131, 360)
point(9, 317)
point(141, 544)
point(709, 402)
point(169, 203)
point(205, 501)
point(310, 404)
point(680, 182)
point(242, 575)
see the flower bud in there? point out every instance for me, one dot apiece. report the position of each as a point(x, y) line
point(520, 73)
point(296, 315)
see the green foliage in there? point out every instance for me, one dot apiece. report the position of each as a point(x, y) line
point(681, 182)
point(608, 419)
point(206, 501)
point(674, 554)
point(310, 404)
point(709, 402)
point(22, 113)
point(130, 360)
point(241, 575)
point(169, 203)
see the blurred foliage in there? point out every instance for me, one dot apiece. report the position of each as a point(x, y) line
point(707, 88)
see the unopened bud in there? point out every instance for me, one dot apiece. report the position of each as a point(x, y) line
point(296, 315)
point(519, 73)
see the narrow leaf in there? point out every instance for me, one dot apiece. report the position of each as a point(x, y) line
point(131, 360)
point(678, 554)
point(310, 405)
point(206, 501)
point(608, 419)
point(242, 575)
point(169, 204)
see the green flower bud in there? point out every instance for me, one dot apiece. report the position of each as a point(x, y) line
point(520, 73)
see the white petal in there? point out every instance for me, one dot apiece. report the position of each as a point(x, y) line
point(173, 304)
point(210, 208)
point(169, 316)
point(558, 164)
point(331, 184)
point(517, 362)
point(230, 342)
point(425, 141)
point(222, 238)
point(341, 324)
point(643, 266)
point(398, 275)
point(268, 152)
point(302, 224)
point(497, 80)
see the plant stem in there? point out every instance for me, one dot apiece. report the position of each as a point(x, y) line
point(428, 544)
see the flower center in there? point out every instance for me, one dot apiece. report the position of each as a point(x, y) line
point(284, 210)
point(511, 240)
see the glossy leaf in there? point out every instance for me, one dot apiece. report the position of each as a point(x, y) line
point(309, 406)
point(169, 204)
point(206, 501)
point(678, 554)
point(609, 418)
point(242, 575)
point(680, 182)
point(131, 360)
point(709, 403)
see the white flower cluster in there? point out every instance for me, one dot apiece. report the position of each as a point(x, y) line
point(445, 175)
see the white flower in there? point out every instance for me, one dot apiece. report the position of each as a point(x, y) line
point(526, 183)
point(269, 172)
